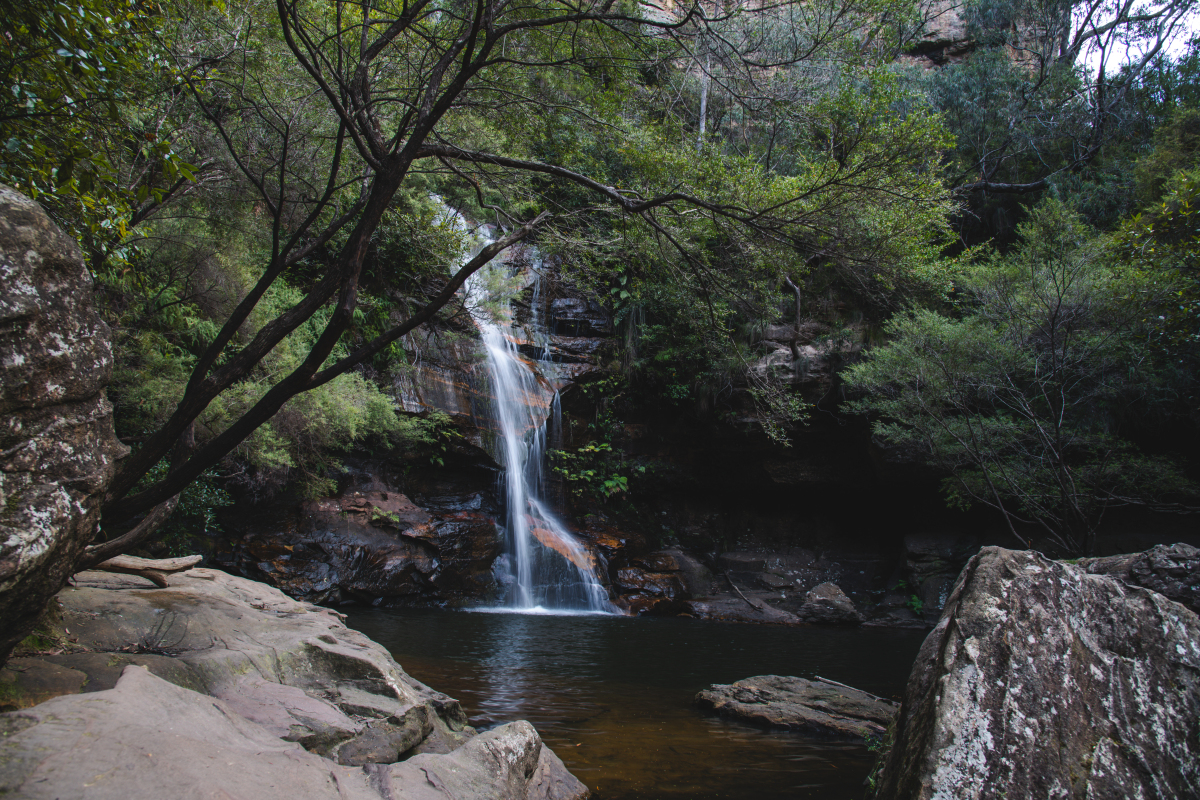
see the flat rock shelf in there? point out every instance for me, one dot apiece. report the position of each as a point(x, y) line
point(817, 707)
point(218, 686)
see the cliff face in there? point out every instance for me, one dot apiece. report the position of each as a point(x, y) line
point(943, 37)
point(57, 445)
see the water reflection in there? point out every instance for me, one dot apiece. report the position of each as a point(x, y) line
point(613, 695)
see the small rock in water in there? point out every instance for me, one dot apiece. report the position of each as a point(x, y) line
point(815, 707)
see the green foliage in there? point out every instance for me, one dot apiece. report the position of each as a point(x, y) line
point(1176, 149)
point(158, 306)
point(79, 129)
point(998, 109)
point(595, 470)
point(1164, 243)
point(1019, 398)
point(1171, 83)
point(195, 515)
point(882, 747)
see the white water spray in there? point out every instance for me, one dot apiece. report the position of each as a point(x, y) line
point(548, 570)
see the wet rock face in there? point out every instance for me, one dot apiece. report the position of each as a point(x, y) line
point(1042, 680)
point(373, 544)
point(578, 317)
point(1170, 570)
point(933, 562)
point(57, 445)
point(813, 707)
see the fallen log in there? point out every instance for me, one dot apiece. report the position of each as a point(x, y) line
point(749, 602)
point(154, 570)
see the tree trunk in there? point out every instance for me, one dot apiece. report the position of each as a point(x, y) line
point(703, 100)
point(795, 343)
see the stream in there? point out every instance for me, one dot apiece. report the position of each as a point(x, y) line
point(613, 695)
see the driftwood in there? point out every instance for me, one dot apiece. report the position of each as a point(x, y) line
point(95, 554)
point(749, 602)
point(154, 570)
point(851, 688)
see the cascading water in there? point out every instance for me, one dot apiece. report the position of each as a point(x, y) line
point(548, 569)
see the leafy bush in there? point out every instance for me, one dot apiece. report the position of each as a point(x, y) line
point(1018, 397)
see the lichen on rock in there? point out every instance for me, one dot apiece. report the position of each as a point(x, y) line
point(1042, 680)
point(57, 444)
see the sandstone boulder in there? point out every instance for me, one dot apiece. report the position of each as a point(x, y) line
point(815, 707)
point(227, 687)
point(826, 604)
point(696, 578)
point(149, 738)
point(1170, 570)
point(293, 668)
point(1042, 680)
point(57, 445)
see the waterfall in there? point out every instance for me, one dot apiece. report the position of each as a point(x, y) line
point(546, 568)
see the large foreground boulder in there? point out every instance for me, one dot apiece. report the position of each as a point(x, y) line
point(1042, 680)
point(149, 738)
point(818, 708)
point(218, 686)
point(1171, 570)
point(57, 445)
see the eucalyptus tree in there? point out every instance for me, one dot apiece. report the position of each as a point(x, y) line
point(322, 111)
point(1048, 85)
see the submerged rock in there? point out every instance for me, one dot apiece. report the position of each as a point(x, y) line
point(1042, 680)
point(815, 707)
point(220, 686)
point(57, 445)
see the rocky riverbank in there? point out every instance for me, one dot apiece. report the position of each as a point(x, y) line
point(221, 685)
point(438, 544)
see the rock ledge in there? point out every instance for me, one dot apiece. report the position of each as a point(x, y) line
point(221, 686)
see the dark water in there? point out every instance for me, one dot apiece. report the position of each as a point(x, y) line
point(613, 695)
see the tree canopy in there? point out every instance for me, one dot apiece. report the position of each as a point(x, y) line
point(257, 187)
